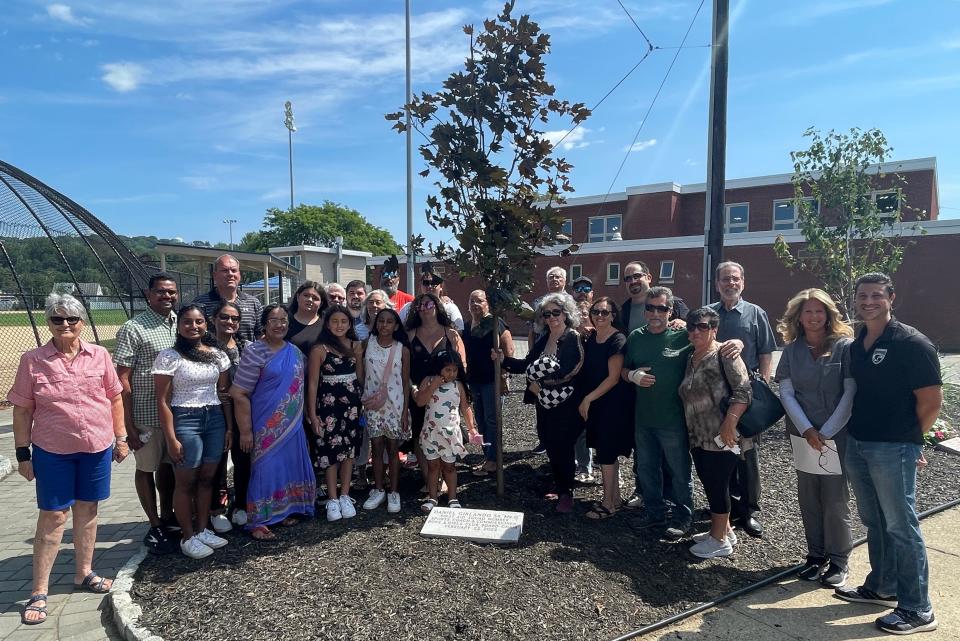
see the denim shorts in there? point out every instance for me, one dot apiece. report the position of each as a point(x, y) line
point(202, 433)
point(63, 479)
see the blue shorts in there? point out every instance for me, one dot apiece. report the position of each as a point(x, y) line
point(202, 433)
point(64, 479)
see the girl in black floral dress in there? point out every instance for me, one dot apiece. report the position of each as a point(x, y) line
point(333, 406)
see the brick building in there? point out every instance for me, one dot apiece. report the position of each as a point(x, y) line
point(662, 225)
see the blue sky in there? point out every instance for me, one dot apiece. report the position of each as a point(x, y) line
point(165, 117)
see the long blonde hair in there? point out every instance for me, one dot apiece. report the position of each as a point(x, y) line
point(791, 328)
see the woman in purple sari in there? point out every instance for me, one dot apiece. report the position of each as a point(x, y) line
point(267, 395)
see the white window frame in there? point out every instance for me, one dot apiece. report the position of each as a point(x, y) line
point(567, 222)
point(726, 219)
point(608, 229)
point(790, 201)
point(613, 280)
point(667, 270)
point(293, 260)
point(883, 192)
point(576, 271)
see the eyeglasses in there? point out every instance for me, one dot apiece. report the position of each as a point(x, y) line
point(822, 460)
point(277, 321)
point(428, 304)
point(632, 277)
point(69, 320)
point(228, 317)
point(600, 312)
point(703, 327)
point(547, 313)
point(583, 289)
point(656, 308)
point(164, 292)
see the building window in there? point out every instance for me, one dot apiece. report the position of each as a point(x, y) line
point(613, 273)
point(886, 202)
point(666, 272)
point(738, 218)
point(567, 229)
point(785, 215)
point(576, 271)
point(291, 260)
point(602, 228)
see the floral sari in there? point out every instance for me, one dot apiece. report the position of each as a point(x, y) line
point(282, 481)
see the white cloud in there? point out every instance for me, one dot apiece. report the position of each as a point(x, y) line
point(571, 140)
point(200, 182)
point(811, 11)
point(123, 76)
point(640, 145)
point(64, 13)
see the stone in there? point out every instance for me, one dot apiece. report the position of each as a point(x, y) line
point(951, 445)
point(482, 526)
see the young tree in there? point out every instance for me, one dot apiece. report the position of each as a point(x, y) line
point(847, 232)
point(497, 179)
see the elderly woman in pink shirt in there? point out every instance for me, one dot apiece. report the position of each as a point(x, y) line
point(67, 406)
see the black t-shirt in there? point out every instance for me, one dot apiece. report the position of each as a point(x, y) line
point(596, 358)
point(479, 363)
point(900, 361)
point(303, 336)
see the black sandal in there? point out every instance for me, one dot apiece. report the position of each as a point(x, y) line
point(599, 512)
point(40, 609)
point(91, 584)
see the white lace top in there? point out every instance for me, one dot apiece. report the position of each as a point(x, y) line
point(194, 384)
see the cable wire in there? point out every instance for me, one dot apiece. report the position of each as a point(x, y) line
point(649, 44)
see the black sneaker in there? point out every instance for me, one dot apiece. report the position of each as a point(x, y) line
point(861, 594)
point(834, 576)
point(902, 621)
point(677, 530)
point(646, 521)
point(170, 524)
point(812, 568)
point(157, 541)
point(539, 449)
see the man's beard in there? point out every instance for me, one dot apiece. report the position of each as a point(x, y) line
point(391, 290)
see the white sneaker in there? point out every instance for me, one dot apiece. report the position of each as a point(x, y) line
point(333, 511)
point(711, 548)
point(220, 523)
point(411, 460)
point(375, 499)
point(240, 517)
point(347, 510)
point(195, 548)
point(210, 539)
point(731, 537)
point(393, 502)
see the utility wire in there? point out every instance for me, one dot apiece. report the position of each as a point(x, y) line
point(649, 109)
point(649, 44)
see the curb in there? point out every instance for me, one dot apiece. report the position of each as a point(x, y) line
point(6, 468)
point(126, 613)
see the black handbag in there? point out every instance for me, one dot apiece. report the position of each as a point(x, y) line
point(764, 411)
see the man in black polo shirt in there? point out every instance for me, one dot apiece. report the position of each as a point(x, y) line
point(226, 283)
point(899, 395)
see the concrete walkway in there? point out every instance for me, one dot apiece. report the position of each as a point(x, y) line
point(72, 614)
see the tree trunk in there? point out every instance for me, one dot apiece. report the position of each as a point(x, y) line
point(497, 407)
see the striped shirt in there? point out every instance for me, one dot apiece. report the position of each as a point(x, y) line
point(250, 309)
point(139, 340)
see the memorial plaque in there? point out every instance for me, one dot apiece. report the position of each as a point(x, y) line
point(951, 445)
point(482, 526)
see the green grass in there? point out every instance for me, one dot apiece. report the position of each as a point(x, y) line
point(100, 317)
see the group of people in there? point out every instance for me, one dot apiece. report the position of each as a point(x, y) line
point(304, 396)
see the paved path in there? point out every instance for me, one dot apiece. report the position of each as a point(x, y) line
point(74, 615)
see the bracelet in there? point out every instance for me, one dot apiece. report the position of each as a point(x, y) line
point(23, 454)
point(734, 415)
point(121, 439)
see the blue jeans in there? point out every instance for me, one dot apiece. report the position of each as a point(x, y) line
point(202, 433)
point(486, 416)
point(884, 479)
point(669, 445)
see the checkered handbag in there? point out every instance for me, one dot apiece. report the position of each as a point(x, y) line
point(549, 397)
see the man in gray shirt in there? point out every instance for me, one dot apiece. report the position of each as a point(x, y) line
point(747, 322)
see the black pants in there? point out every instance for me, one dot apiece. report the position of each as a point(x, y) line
point(559, 428)
point(241, 472)
point(745, 485)
point(715, 469)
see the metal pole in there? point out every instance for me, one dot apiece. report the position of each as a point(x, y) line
point(407, 101)
point(291, 127)
point(716, 151)
point(290, 141)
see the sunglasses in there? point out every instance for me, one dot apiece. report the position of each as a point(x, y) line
point(69, 320)
point(427, 305)
point(703, 327)
point(600, 312)
point(555, 313)
point(228, 317)
point(632, 277)
point(656, 308)
point(390, 275)
point(429, 283)
point(583, 289)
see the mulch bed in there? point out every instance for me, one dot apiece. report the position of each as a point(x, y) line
point(374, 577)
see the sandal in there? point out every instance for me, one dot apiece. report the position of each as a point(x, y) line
point(480, 470)
point(39, 609)
point(263, 534)
point(454, 503)
point(93, 582)
point(290, 521)
point(599, 512)
point(427, 506)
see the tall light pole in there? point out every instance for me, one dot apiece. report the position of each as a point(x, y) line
point(229, 222)
point(288, 123)
point(407, 101)
point(714, 216)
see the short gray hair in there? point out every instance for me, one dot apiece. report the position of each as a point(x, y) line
point(364, 315)
point(731, 264)
point(562, 300)
point(65, 303)
point(660, 290)
point(557, 268)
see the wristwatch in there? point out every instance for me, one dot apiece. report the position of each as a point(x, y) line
point(23, 454)
point(121, 439)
